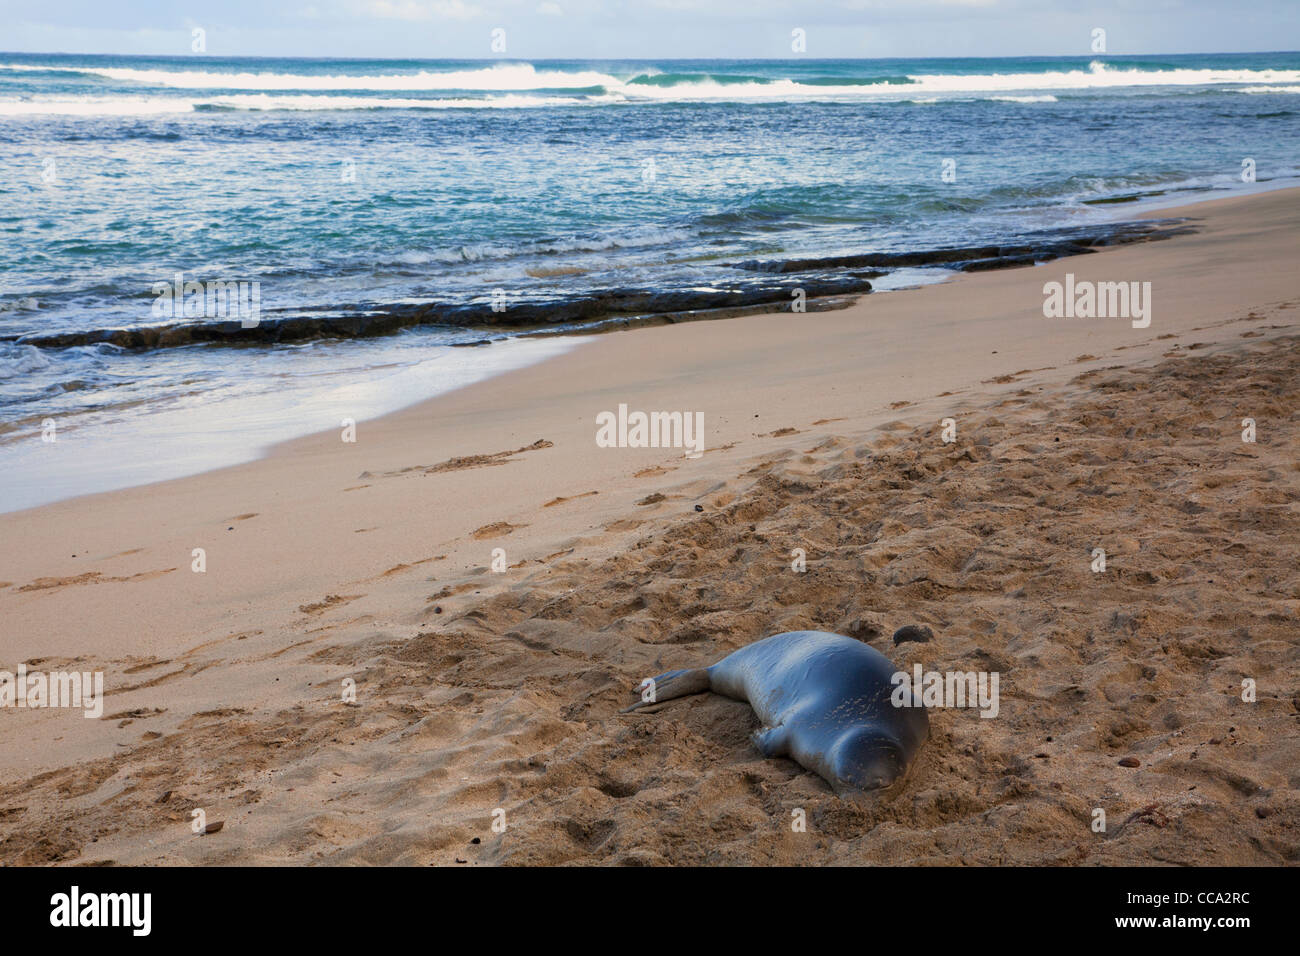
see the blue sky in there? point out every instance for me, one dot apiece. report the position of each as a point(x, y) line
point(598, 29)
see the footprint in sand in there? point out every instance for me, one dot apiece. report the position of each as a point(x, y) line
point(469, 461)
point(89, 577)
point(497, 529)
point(623, 524)
point(449, 590)
point(399, 568)
point(139, 713)
point(330, 600)
point(652, 472)
point(562, 500)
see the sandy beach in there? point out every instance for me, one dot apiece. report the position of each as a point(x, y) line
point(477, 690)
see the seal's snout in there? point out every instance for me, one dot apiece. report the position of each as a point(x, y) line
point(869, 761)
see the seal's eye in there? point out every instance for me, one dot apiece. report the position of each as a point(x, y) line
point(869, 761)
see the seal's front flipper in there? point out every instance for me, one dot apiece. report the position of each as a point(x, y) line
point(771, 741)
point(671, 685)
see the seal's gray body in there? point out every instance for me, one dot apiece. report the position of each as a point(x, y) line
point(824, 700)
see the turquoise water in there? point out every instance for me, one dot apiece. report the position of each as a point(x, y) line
point(349, 186)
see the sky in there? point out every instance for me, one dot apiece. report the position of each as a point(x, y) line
point(651, 29)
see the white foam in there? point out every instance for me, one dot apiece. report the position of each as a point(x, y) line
point(18, 359)
point(523, 77)
point(518, 86)
point(152, 106)
point(500, 77)
point(1099, 75)
point(264, 101)
point(488, 251)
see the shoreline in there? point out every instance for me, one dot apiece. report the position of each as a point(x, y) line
point(1121, 226)
point(292, 446)
point(757, 285)
point(372, 559)
point(188, 437)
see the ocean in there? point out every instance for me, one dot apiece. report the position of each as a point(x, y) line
point(377, 215)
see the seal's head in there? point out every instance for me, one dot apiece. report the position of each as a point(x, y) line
point(866, 759)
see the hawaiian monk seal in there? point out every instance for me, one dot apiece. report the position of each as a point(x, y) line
point(824, 700)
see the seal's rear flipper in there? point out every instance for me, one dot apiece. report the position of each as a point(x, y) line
point(670, 685)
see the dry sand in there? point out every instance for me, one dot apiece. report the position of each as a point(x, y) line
point(479, 691)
